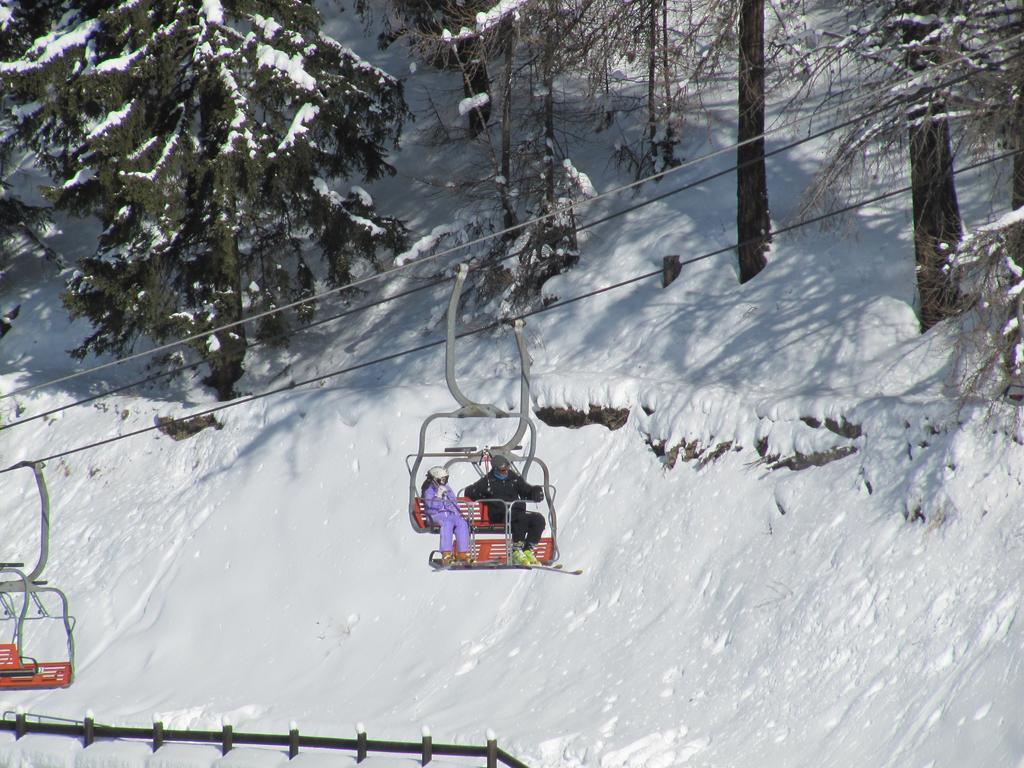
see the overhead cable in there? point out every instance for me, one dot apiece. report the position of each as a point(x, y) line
point(558, 211)
point(490, 326)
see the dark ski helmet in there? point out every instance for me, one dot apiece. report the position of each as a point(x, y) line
point(499, 462)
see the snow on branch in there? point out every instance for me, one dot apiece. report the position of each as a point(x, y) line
point(53, 46)
point(992, 274)
point(270, 27)
point(320, 185)
point(114, 118)
point(292, 66)
point(356, 61)
point(213, 11)
point(1003, 222)
point(470, 103)
point(579, 179)
point(121, 63)
point(167, 151)
point(426, 244)
point(487, 20)
point(371, 227)
point(238, 127)
point(306, 114)
point(82, 176)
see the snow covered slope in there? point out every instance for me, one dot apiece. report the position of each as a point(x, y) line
point(734, 610)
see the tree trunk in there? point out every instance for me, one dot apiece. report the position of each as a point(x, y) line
point(1017, 196)
point(668, 144)
point(1015, 243)
point(226, 362)
point(652, 80)
point(510, 218)
point(549, 110)
point(226, 366)
point(937, 226)
point(753, 224)
point(936, 215)
point(1017, 144)
point(475, 81)
point(1017, 128)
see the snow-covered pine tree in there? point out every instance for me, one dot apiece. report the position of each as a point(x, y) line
point(20, 223)
point(206, 136)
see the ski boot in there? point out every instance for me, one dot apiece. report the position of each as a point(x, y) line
point(522, 556)
point(463, 558)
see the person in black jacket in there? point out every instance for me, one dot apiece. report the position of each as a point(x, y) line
point(503, 483)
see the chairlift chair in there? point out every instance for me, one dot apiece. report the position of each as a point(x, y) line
point(494, 551)
point(20, 590)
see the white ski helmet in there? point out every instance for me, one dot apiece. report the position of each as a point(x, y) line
point(438, 475)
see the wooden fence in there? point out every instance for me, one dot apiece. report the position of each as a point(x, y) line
point(89, 731)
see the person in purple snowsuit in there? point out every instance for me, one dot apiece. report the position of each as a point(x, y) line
point(442, 508)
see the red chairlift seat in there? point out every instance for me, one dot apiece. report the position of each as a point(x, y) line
point(17, 673)
point(473, 511)
point(484, 550)
point(496, 550)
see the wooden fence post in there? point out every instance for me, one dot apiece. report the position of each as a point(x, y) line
point(360, 742)
point(227, 738)
point(88, 729)
point(492, 750)
point(158, 734)
point(670, 269)
point(293, 741)
point(427, 752)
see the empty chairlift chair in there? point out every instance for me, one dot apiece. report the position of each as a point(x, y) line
point(34, 615)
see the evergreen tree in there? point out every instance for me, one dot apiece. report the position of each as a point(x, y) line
point(205, 136)
point(20, 223)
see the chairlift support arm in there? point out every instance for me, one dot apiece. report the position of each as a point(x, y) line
point(470, 408)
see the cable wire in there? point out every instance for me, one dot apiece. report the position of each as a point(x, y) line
point(494, 324)
point(197, 363)
point(583, 227)
point(530, 222)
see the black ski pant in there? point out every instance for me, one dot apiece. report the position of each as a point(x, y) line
point(526, 526)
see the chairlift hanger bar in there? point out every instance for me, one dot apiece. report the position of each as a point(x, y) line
point(469, 408)
point(478, 409)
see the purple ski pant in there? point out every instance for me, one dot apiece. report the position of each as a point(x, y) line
point(452, 523)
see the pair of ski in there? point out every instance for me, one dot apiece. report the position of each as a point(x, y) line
point(437, 565)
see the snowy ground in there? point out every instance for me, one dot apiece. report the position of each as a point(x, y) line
point(729, 613)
